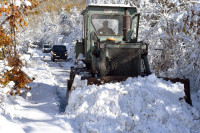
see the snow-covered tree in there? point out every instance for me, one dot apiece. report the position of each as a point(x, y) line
point(172, 30)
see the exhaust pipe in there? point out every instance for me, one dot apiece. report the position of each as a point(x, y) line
point(126, 24)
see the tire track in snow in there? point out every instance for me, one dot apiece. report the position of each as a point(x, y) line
point(60, 71)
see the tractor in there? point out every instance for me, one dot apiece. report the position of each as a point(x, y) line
point(110, 47)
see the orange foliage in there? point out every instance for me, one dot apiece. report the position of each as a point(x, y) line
point(15, 19)
point(5, 40)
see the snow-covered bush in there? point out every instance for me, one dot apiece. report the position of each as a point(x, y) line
point(172, 30)
point(74, 31)
point(108, 2)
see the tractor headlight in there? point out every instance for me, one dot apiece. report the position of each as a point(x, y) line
point(102, 45)
point(144, 46)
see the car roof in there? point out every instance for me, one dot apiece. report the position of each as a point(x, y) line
point(59, 45)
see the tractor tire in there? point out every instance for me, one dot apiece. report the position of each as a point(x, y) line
point(53, 59)
point(69, 85)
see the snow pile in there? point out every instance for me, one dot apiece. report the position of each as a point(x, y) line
point(137, 105)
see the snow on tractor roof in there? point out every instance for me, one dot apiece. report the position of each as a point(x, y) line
point(111, 5)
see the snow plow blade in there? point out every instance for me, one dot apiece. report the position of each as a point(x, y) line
point(107, 79)
point(96, 81)
point(113, 79)
point(186, 83)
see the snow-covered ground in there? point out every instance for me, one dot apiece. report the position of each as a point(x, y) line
point(143, 104)
point(138, 105)
point(146, 105)
point(37, 111)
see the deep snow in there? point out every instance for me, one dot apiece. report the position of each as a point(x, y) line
point(143, 104)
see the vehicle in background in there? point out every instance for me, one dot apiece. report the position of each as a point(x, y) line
point(46, 48)
point(58, 52)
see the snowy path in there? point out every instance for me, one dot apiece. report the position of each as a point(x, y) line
point(41, 112)
point(61, 71)
point(143, 104)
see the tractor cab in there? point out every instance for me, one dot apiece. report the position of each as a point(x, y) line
point(122, 22)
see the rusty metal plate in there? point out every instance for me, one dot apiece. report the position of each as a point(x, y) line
point(186, 83)
point(106, 79)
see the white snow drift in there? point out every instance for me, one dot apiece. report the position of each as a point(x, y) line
point(143, 104)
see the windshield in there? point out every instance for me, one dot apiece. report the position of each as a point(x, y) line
point(108, 24)
point(59, 48)
point(46, 46)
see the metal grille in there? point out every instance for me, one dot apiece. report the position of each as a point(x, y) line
point(124, 61)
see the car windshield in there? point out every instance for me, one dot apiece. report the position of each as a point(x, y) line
point(108, 24)
point(59, 48)
point(46, 46)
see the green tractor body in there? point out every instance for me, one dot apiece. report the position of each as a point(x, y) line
point(113, 51)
